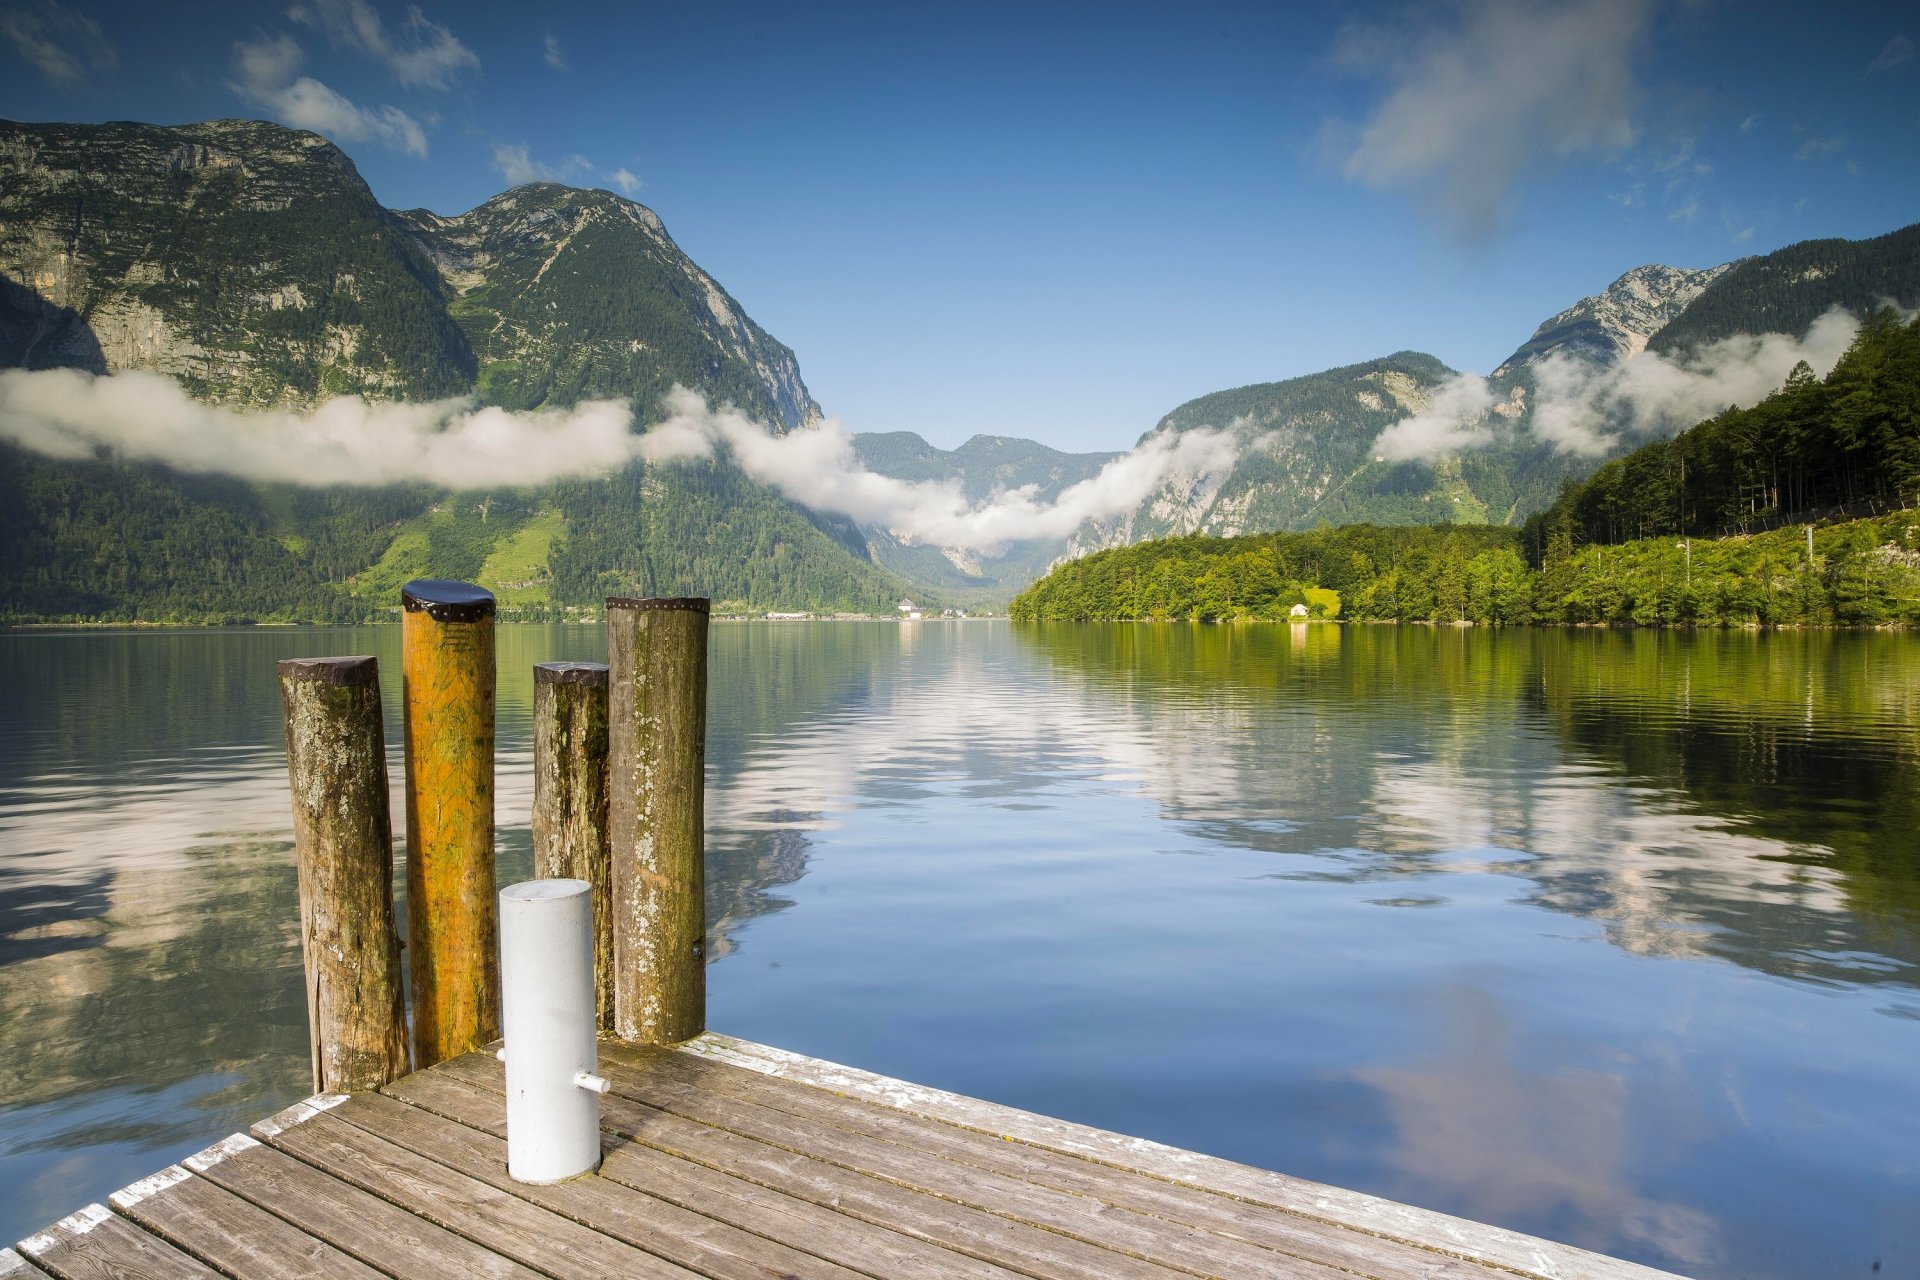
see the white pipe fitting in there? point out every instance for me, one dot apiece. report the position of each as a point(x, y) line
point(547, 1015)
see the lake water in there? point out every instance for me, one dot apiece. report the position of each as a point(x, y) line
point(1610, 937)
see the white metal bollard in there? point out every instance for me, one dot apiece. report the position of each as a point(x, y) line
point(547, 1016)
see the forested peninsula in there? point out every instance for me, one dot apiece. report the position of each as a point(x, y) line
point(1795, 512)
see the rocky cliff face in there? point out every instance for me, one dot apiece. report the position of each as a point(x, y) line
point(1616, 324)
point(248, 260)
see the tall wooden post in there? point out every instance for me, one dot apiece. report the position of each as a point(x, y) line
point(570, 799)
point(656, 747)
point(343, 849)
point(447, 670)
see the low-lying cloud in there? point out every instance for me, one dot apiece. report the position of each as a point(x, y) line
point(817, 468)
point(1586, 409)
point(455, 444)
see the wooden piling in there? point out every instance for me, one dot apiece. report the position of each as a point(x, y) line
point(570, 798)
point(343, 849)
point(447, 670)
point(656, 746)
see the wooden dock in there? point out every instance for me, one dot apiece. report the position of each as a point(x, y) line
point(733, 1160)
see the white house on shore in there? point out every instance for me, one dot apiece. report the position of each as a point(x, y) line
point(908, 610)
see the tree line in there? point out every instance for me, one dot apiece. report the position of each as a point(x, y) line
point(1863, 572)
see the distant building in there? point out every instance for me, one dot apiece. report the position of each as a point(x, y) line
point(908, 609)
point(788, 617)
point(1298, 611)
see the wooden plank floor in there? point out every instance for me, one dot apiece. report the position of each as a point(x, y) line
point(736, 1161)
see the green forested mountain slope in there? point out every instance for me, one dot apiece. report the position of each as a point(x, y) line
point(1310, 460)
point(569, 295)
point(1842, 443)
point(1787, 290)
point(251, 262)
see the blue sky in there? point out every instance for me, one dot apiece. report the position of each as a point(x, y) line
point(1061, 221)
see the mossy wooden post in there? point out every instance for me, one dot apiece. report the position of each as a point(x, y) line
point(447, 673)
point(343, 850)
point(570, 799)
point(656, 814)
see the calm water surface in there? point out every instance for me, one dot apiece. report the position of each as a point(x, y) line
point(1610, 937)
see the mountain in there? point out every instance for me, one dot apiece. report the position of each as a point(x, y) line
point(1787, 290)
point(253, 263)
point(1309, 457)
point(567, 295)
point(1308, 460)
point(1618, 323)
point(982, 467)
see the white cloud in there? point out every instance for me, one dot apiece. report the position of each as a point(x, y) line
point(421, 54)
point(1587, 409)
point(517, 166)
point(817, 468)
point(1516, 84)
point(347, 440)
point(266, 75)
point(1819, 148)
point(1749, 124)
point(1897, 51)
point(453, 443)
point(625, 180)
point(556, 56)
point(64, 45)
point(1743, 236)
point(1453, 420)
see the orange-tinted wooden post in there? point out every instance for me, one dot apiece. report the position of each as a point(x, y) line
point(656, 815)
point(447, 676)
point(343, 848)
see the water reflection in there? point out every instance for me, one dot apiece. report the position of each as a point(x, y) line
point(1606, 936)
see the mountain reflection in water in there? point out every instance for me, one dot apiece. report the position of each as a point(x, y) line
point(1613, 937)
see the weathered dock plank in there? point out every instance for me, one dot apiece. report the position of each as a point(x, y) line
point(671, 1076)
point(15, 1267)
point(536, 1237)
point(712, 1248)
point(1511, 1251)
point(396, 1240)
point(95, 1244)
point(1008, 1242)
point(824, 1232)
point(228, 1233)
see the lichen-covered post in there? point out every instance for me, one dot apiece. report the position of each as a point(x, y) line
point(570, 799)
point(656, 814)
point(343, 850)
point(447, 673)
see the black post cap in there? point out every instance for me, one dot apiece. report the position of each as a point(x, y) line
point(445, 600)
point(360, 670)
point(688, 604)
point(570, 673)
